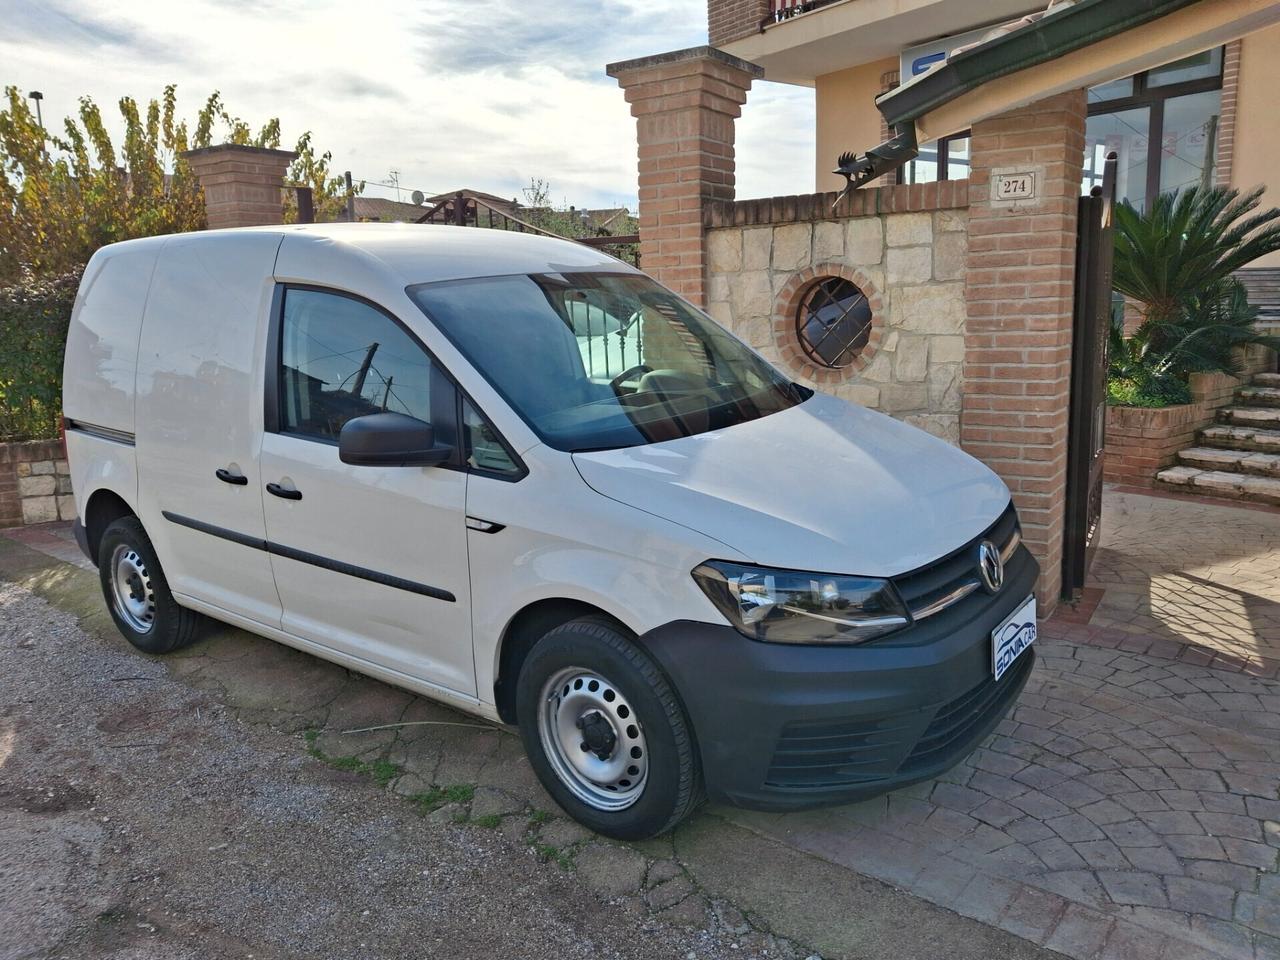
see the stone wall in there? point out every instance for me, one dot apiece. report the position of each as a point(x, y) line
point(1142, 441)
point(35, 483)
point(910, 264)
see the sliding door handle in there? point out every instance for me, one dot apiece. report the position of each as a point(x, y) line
point(226, 476)
point(284, 493)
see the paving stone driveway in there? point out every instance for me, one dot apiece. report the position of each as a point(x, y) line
point(1129, 807)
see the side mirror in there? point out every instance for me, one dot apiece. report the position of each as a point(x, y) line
point(390, 440)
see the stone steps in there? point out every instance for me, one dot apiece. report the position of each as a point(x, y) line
point(1266, 417)
point(1238, 457)
point(1221, 483)
point(1259, 396)
point(1236, 461)
point(1230, 437)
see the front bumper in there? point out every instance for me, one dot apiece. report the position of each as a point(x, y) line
point(782, 727)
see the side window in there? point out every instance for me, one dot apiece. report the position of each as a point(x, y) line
point(484, 450)
point(340, 359)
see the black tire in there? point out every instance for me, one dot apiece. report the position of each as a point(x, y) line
point(672, 787)
point(168, 626)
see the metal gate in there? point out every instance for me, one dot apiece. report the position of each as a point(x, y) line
point(1086, 424)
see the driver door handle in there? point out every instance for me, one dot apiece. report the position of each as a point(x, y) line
point(226, 476)
point(283, 492)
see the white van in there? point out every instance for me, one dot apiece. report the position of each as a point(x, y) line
point(407, 449)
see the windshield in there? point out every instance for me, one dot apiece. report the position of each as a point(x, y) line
point(593, 361)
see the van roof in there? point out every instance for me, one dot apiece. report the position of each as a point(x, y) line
point(421, 253)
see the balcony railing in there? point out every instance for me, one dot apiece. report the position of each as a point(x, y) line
point(780, 10)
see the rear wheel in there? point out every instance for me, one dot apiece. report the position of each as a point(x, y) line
point(137, 593)
point(605, 732)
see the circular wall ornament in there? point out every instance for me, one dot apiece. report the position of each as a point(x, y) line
point(826, 322)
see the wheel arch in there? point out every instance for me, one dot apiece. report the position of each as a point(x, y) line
point(103, 508)
point(526, 628)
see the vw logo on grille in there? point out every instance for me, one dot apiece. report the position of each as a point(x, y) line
point(990, 566)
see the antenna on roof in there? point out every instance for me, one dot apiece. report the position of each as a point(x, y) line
point(417, 198)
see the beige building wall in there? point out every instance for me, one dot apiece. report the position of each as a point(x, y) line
point(847, 118)
point(1256, 158)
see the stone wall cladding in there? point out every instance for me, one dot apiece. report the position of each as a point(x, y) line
point(906, 247)
point(1140, 441)
point(35, 483)
point(729, 20)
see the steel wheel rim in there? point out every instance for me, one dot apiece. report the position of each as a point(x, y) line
point(579, 711)
point(132, 594)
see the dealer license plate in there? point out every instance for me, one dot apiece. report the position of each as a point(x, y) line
point(1011, 638)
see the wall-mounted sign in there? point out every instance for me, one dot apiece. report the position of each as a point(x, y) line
point(1014, 186)
point(916, 60)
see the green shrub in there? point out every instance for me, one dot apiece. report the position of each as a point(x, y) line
point(33, 332)
point(1146, 393)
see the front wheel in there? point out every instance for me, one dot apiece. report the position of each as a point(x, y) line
point(137, 592)
point(605, 732)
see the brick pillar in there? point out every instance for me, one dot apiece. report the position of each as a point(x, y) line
point(1019, 294)
point(685, 104)
point(242, 185)
point(1227, 113)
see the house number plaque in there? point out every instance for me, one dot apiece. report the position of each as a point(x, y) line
point(1015, 186)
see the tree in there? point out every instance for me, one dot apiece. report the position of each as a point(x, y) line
point(64, 194)
point(328, 191)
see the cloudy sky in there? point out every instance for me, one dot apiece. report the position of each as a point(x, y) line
point(452, 93)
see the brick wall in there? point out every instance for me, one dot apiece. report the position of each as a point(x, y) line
point(1141, 441)
point(35, 483)
point(685, 104)
point(1021, 265)
point(904, 246)
point(729, 20)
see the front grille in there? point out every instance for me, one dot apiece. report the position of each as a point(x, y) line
point(955, 722)
point(933, 588)
point(850, 751)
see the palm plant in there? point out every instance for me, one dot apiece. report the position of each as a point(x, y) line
point(1178, 260)
point(1188, 244)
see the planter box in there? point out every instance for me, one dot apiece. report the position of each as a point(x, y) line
point(35, 483)
point(1142, 441)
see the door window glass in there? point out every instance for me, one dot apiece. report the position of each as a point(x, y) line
point(1126, 134)
point(1189, 148)
point(958, 157)
point(340, 358)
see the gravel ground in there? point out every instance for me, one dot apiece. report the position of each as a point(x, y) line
point(140, 819)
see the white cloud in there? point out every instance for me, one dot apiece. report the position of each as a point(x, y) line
point(484, 95)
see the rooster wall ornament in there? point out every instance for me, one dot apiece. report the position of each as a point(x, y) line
point(877, 161)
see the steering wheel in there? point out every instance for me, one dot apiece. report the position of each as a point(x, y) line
point(639, 370)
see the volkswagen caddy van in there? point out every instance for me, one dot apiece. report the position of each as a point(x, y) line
point(514, 474)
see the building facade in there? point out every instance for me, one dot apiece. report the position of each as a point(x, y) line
point(1207, 118)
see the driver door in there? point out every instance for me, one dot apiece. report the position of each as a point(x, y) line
point(369, 561)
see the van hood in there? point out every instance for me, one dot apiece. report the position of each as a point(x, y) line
point(825, 486)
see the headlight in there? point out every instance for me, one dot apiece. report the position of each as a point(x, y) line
point(791, 606)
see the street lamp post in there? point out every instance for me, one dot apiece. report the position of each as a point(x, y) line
point(37, 96)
